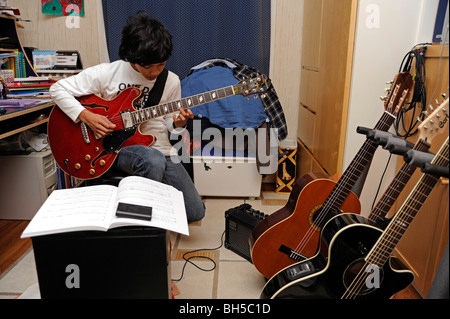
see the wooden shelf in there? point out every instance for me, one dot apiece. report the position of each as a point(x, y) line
point(20, 121)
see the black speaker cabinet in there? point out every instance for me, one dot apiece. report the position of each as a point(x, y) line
point(126, 262)
point(239, 223)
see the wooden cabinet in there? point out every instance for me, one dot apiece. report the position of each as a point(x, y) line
point(327, 52)
point(424, 243)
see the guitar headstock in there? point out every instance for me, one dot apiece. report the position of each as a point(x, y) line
point(436, 123)
point(258, 85)
point(398, 93)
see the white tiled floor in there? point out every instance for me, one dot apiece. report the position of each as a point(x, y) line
point(232, 278)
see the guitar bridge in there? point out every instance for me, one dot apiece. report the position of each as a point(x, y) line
point(291, 253)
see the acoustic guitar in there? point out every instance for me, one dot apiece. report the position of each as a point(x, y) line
point(359, 263)
point(284, 283)
point(292, 233)
point(80, 154)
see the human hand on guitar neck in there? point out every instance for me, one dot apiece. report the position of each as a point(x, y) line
point(179, 120)
point(102, 126)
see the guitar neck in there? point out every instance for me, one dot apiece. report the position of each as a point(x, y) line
point(356, 167)
point(383, 248)
point(394, 189)
point(149, 113)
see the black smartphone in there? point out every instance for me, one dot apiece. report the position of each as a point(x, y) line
point(126, 210)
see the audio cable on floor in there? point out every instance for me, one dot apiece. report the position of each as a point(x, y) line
point(188, 260)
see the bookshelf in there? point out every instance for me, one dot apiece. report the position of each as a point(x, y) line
point(21, 119)
point(11, 42)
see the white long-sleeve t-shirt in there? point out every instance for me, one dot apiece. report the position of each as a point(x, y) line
point(108, 80)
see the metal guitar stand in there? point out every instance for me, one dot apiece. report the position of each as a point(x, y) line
point(398, 146)
point(388, 141)
point(423, 160)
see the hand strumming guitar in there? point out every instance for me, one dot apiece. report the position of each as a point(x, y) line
point(100, 124)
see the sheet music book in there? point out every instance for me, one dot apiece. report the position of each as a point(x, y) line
point(94, 208)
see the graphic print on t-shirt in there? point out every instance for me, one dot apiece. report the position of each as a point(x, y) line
point(144, 89)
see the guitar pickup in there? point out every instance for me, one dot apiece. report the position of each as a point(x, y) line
point(127, 120)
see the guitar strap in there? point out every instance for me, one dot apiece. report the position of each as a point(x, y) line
point(157, 91)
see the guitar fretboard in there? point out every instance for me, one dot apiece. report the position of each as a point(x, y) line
point(149, 113)
point(403, 218)
point(356, 167)
point(397, 185)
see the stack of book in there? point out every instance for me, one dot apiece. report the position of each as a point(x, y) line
point(35, 87)
point(15, 61)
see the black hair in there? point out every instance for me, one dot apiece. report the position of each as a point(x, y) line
point(145, 40)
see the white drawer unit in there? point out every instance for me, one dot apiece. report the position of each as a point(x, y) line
point(226, 176)
point(25, 183)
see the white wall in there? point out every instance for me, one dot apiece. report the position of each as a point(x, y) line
point(380, 46)
point(285, 57)
point(46, 32)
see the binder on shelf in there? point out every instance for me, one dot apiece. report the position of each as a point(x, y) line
point(68, 60)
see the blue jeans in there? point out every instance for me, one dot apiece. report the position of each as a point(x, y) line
point(150, 163)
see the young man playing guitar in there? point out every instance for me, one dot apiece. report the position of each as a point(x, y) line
point(145, 47)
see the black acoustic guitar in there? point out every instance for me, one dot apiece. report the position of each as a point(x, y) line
point(355, 260)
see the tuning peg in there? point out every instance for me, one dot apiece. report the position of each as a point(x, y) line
point(438, 115)
point(383, 98)
point(263, 96)
point(419, 119)
point(444, 96)
point(430, 107)
point(256, 96)
point(390, 82)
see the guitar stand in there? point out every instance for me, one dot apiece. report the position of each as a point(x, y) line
point(394, 144)
point(423, 160)
point(399, 146)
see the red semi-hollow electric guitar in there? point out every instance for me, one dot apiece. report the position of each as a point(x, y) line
point(79, 153)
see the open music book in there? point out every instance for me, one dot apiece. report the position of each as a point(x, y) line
point(94, 208)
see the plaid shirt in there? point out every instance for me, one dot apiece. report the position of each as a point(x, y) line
point(272, 105)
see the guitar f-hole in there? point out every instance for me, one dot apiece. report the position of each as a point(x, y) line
point(103, 153)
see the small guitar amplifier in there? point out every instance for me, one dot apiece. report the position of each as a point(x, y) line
point(239, 223)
